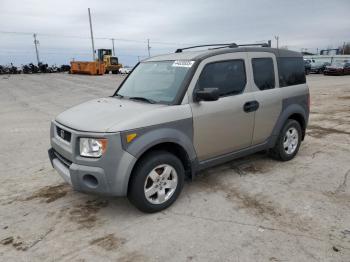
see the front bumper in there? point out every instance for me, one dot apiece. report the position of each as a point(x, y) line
point(316, 70)
point(60, 167)
point(107, 175)
point(333, 72)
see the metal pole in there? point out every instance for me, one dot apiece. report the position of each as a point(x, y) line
point(92, 37)
point(36, 42)
point(113, 46)
point(277, 40)
point(148, 48)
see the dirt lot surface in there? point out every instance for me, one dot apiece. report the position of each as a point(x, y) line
point(251, 209)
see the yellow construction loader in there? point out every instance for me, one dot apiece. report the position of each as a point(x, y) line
point(111, 62)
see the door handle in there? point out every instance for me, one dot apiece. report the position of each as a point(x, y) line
point(251, 106)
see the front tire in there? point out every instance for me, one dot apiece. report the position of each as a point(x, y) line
point(288, 142)
point(157, 181)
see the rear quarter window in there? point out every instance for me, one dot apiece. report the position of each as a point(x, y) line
point(264, 74)
point(291, 71)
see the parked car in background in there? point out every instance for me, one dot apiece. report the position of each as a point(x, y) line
point(338, 68)
point(318, 67)
point(307, 66)
point(125, 70)
point(9, 69)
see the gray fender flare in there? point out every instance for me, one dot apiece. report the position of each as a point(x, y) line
point(286, 113)
point(162, 135)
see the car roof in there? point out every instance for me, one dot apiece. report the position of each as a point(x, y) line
point(200, 55)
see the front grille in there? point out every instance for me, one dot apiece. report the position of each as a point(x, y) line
point(64, 160)
point(64, 134)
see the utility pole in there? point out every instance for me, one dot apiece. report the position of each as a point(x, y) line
point(277, 39)
point(344, 48)
point(36, 42)
point(113, 46)
point(148, 48)
point(92, 37)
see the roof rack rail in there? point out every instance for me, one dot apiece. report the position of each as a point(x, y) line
point(261, 44)
point(230, 45)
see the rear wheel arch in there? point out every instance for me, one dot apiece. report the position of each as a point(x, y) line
point(301, 120)
point(293, 111)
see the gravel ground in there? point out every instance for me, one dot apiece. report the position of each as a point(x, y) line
point(251, 209)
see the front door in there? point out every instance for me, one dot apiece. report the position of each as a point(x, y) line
point(225, 125)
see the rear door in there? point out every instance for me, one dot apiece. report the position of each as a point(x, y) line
point(264, 79)
point(222, 126)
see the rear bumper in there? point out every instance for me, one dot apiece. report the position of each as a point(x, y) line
point(108, 175)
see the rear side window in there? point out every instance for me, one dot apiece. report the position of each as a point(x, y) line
point(291, 71)
point(228, 76)
point(264, 74)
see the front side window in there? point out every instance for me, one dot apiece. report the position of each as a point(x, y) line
point(264, 73)
point(291, 71)
point(156, 82)
point(228, 76)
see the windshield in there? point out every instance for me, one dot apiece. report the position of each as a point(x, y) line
point(114, 60)
point(155, 81)
point(338, 64)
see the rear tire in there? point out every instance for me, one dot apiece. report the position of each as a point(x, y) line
point(157, 181)
point(288, 142)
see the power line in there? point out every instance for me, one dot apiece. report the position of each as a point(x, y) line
point(4, 52)
point(99, 38)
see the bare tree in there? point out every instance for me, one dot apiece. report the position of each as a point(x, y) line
point(345, 49)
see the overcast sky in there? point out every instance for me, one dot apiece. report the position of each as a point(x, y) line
point(167, 23)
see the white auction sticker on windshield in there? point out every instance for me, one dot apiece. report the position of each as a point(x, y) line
point(183, 63)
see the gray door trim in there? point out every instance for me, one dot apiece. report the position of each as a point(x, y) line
point(201, 165)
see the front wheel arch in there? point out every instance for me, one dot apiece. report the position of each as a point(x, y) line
point(170, 147)
point(152, 159)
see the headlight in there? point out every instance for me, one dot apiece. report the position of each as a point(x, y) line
point(92, 147)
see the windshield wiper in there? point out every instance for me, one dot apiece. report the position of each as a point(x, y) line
point(139, 98)
point(119, 95)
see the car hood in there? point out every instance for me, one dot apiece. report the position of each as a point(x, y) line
point(334, 67)
point(105, 114)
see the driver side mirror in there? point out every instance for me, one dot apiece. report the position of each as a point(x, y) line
point(207, 94)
